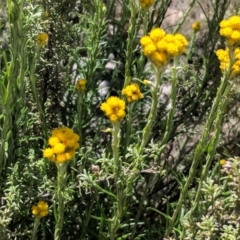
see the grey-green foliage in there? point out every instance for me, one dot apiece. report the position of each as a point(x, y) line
point(150, 182)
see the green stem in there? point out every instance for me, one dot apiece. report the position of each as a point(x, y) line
point(190, 51)
point(35, 228)
point(36, 93)
point(186, 13)
point(145, 21)
point(95, 33)
point(141, 61)
point(153, 110)
point(171, 112)
point(118, 208)
point(130, 42)
point(128, 129)
point(79, 114)
point(60, 199)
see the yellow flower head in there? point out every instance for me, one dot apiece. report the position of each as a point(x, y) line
point(59, 148)
point(146, 3)
point(63, 144)
point(53, 141)
point(81, 84)
point(157, 34)
point(196, 26)
point(230, 29)
point(42, 38)
point(224, 59)
point(223, 162)
point(149, 49)
point(132, 92)
point(114, 109)
point(160, 47)
point(40, 210)
point(48, 153)
point(145, 40)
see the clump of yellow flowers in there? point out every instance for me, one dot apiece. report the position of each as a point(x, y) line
point(114, 109)
point(160, 47)
point(40, 210)
point(132, 92)
point(42, 38)
point(63, 144)
point(81, 84)
point(196, 26)
point(230, 29)
point(146, 3)
point(223, 56)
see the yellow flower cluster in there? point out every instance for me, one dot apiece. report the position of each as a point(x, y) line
point(223, 162)
point(81, 84)
point(114, 109)
point(40, 210)
point(42, 38)
point(160, 47)
point(230, 29)
point(146, 3)
point(224, 58)
point(196, 26)
point(132, 92)
point(63, 144)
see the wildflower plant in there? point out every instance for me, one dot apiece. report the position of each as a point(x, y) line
point(160, 48)
point(39, 211)
point(146, 105)
point(63, 144)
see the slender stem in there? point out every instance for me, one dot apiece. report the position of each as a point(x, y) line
point(60, 200)
point(35, 228)
point(171, 112)
point(130, 42)
point(141, 61)
point(36, 92)
point(153, 110)
point(190, 51)
point(118, 208)
point(79, 114)
point(128, 129)
point(95, 32)
point(145, 21)
point(186, 13)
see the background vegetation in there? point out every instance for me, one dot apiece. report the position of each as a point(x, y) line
point(178, 186)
